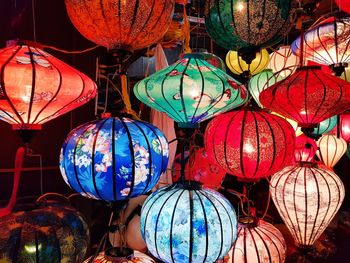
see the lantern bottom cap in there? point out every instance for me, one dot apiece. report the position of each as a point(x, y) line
point(188, 125)
point(118, 254)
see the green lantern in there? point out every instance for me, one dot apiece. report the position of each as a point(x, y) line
point(209, 57)
point(325, 126)
point(191, 91)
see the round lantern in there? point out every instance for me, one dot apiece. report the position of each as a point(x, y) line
point(344, 126)
point(238, 66)
point(191, 91)
point(261, 81)
point(199, 168)
point(283, 61)
point(122, 24)
point(113, 256)
point(343, 5)
point(305, 149)
point(188, 224)
point(250, 144)
point(307, 198)
point(309, 96)
point(212, 59)
point(327, 43)
point(54, 233)
point(257, 241)
point(236, 24)
point(114, 159)
point(331, 149)
point(37, 87)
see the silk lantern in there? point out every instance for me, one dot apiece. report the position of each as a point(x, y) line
point(257, 241)
point(191, 91)
point(294, 124)
point(250, 144)
point(283, 61)
point(187, 223)
point(37, 87)
point(114, 159)
point(113, 256)
point(305, 149)
point(121, 24)
point(307, 198)
point(199, 168)
point(209, 57)
point(309, 96)
point(344, 126)
point(343, 5)
point(324, 126)
point(331, 149)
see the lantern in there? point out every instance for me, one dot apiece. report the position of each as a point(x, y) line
point(54, 233)
point(344, 126)
point(305, 149)
point(199, 168)
point(122, 24)
point(112, 256)
point(327, 43)
point(283, 61)
point(114, 159)
point(294, 124)
point(188, 224)
point(331, 149)
point(348, 151)
point(238, 66)
point(307, 198)
point(262, 81)
point(309, 96)
point(236, 24)
point(257, 241)
point(325, 126)
point(37, 87)
point(191, 91)
point(209, 57)
point(343, 5)
point(250, 144)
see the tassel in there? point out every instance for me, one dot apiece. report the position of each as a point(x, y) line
point(126, 98)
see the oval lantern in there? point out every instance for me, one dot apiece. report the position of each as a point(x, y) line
point(257, 241)
point(344, 5)
point(37, 87)
point(309, 96)
point(238, 66)
point(113, 256)
point(199, 168)
point(305, 149)
point(250, 144)
point(122, 24)
point(344, 126)
point(283, 61)
point(54, 233)
point(331, 149)
point(191, 91)
point(307, 198)
point(114, 159)
point(188, 224)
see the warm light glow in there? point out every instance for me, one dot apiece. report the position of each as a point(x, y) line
point(305, 149)
point(283, 61)
point(331, 149)
point(31, 249)
point(248, 148)
point(240, 6)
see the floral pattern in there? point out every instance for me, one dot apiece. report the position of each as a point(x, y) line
point(110, 164)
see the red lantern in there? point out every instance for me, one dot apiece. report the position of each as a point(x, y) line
point(199, 168)
point(309, 96)
point(250, 144)
point(344, 127)
point(343, 5)
point(37, 87)
point(305, 149)
point(121, 24)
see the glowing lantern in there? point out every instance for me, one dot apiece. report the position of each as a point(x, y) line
point(309, 96)
point(188, 224)
point(37, 87)
point(191, 91)
point(344, 126)
point(331, 149)
point(305, 149)
point(114, 255)
point(325, 126)
point(209, 57)
point(327, 43)
point(291, 122)
point(122, 24)
point(250, 144)
point(199, 168)
point(344, 5)
point(257, 241)
point(283, 61)
point(307, 198)
point(114, 159)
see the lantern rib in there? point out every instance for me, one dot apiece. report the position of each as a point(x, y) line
point(206, 226)
point(33, 83)
point(114, 172)
point(241, 142)
point(336, 150)
point(257, 143)
point(305, 96)
point(323, 99)
point(213, 143)
point(295, 204)
point(288, 96)
point(219, 16)
point(104, 17)
point(225, 141)
point(264, 231)
point(190, 197)
point(306, 207)
point(149, 17)
point(245, 244)
point(182, 91)
point(10, 119)
point(202, 91)
point(133, 20)
point(266, 246)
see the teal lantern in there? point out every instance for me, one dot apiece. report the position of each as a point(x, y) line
point(210, 58)
point(325, 126)
point(191, 91)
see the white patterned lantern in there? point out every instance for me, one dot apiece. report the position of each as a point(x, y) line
point(331, 149)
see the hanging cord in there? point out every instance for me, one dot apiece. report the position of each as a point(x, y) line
point(242, 198)
point(268, 200)
point(34, 24)
point(29, 153)
point(186, 31)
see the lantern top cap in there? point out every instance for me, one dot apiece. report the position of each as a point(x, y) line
point(189, 185)
point(248, 221)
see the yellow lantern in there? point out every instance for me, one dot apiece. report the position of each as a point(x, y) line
point(238, 66)
point(291, 122)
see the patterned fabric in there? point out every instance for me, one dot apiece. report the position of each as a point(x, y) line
point(114, 159)
point(181, 225)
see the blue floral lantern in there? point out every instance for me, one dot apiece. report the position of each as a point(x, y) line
point(114, 158)
point(187, 223)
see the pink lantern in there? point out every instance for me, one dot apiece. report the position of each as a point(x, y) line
point(305, 149)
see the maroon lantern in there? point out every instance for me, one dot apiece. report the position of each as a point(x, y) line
point(305, 149)
point(308, 96)
point(250, 144)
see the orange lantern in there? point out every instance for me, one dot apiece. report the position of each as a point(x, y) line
point(37, 87)
point(121, 24)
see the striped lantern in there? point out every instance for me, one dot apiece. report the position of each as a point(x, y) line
point(307, 198)
point(331, 149)
point(305, 149)
point(283, 61)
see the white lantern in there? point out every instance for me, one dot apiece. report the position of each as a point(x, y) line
point(283, 61)
point(307, 198)
point(331, 149)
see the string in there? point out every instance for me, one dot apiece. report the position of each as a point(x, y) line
point(34, 24)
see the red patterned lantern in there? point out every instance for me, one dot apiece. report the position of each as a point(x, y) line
point(37, 87)
point(199, 168)
point(121, 24)
point(309, 96)
point(250, 144)
point(305, 149)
